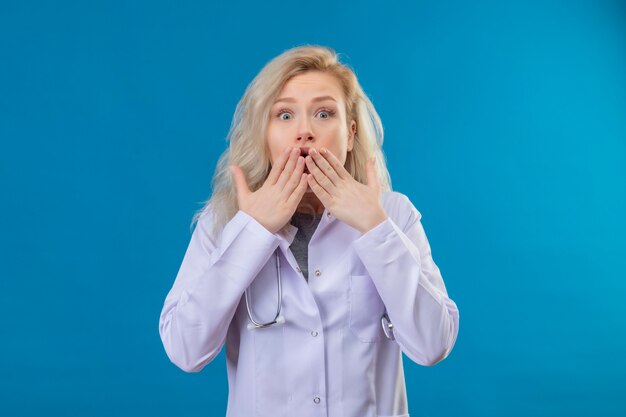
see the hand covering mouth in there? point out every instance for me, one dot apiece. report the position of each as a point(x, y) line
point(304, 151)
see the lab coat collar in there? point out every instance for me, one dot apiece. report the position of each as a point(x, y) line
point(327, 216)
point(286, 236)
point(288, 233)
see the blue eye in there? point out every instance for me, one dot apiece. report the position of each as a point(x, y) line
point(329, 113)
point(323, 114)
point(281, 112)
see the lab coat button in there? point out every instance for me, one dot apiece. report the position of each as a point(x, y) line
point(314, 333)
point(318, 272)
point(298, 269)
point(316, 400)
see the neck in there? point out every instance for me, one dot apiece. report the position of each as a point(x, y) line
point(310, 204)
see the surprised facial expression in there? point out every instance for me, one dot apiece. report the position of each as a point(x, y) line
point(310, 112)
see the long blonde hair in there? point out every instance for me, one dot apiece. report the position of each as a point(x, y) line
point(247, 140)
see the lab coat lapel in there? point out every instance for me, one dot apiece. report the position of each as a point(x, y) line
point(287, 234)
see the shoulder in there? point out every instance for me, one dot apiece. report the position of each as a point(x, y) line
point(400, 208)
point(208, 228)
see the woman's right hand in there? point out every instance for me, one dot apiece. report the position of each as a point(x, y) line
point(276, 201)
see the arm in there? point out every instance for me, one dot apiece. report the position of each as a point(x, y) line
point(399, 260)
point(208, 287)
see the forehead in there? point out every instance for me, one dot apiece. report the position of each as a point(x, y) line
point(312, 84)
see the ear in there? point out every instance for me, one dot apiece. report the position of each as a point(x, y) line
point(351, 135)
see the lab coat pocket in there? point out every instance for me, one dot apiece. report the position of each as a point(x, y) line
point(366, 309)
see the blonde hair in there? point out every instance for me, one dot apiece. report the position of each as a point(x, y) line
point(250, 121)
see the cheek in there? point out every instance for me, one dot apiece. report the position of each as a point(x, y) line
point(338, 153)
point(274, 144)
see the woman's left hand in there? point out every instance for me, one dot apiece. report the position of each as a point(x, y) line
point(347, 199)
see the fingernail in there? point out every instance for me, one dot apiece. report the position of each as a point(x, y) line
point(312, 151)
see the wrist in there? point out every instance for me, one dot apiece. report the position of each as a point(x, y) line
point(375, 220)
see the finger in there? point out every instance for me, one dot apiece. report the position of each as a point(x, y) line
point(294, 180)
point(325, 167)
point(334, 162)
point(319, 191)
point(272, 178)
point(288, 170)
point(239, 180)
point(298, 193)
point(370, 168)
point(319, 176)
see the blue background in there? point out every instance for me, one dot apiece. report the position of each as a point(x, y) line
point(505, 125)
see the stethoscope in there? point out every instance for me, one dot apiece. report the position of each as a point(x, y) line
point(278, 319)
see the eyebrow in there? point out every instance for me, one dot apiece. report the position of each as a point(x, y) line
point(316, 99)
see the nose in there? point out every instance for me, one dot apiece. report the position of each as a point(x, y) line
point(305, 132)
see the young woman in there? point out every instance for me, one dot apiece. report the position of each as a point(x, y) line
point(313, 273)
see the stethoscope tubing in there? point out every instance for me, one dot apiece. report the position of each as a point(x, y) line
point(278, 319)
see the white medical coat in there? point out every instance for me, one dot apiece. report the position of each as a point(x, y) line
point(330, 357)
